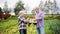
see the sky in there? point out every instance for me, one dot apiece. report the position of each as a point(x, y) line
point(30, 3)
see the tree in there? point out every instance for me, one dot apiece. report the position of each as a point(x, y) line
point(10, 9)
point(32, 12)
point(5, 9)
point(1, 10)
point(44, 7)
point(26, 8)
point(19, 6)
point(49, 7)
point(56, 8)
point(41, 5)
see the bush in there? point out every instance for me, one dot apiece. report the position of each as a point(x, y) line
point(58, 17)
point(55, 27)
point(49, 17)
point(29, 16)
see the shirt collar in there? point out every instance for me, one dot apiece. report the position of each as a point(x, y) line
point(37, 12)
point(20, 17)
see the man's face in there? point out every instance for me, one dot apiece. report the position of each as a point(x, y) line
point(37, 10)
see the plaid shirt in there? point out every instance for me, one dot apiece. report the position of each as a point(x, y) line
point(40, 16)
point(21, 23)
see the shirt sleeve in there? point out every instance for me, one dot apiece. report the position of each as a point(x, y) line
point(19, 21)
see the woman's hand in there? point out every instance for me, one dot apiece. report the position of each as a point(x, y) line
point(27, 19)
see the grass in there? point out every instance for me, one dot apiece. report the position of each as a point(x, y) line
point(10, 26)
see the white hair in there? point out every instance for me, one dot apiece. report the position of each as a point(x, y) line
point(21, 12)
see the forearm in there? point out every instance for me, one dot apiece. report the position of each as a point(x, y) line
point(35, 19)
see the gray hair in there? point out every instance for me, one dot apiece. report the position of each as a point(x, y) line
point(37, 8)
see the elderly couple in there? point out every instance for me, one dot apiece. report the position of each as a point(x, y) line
point(39, 19)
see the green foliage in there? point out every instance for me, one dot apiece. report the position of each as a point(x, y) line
point(58, 17)
point(19, 6)
point(55, 26)
point(29, 16)
point(47, 30)
point(10, 26)
point(49, 16)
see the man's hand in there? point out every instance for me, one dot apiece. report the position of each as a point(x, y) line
point(35, 19)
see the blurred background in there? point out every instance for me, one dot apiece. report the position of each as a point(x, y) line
point(9, 10)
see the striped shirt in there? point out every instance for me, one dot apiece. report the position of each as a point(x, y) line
point(21, 23)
